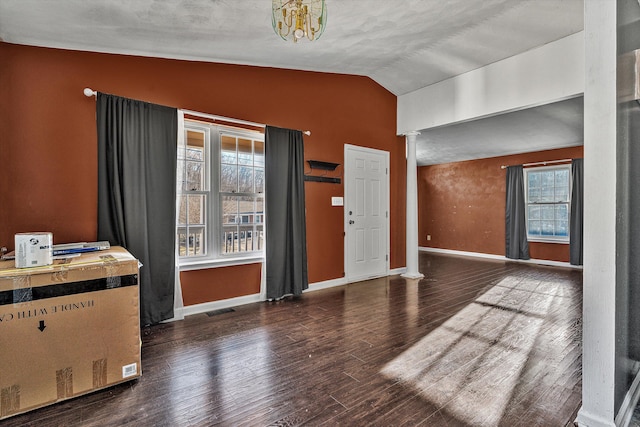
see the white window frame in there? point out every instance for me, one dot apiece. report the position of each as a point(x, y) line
point(547, 239)
point(213, 256)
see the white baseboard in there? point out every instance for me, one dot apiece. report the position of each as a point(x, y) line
point(397, 271)
point(343, 281)
point(179, 313)
point(326, 284)
point(586, 419)
point(248, 299)
point(500, 257)
point(218, 305)
point(630, 400)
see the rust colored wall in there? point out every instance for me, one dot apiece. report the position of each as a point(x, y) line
point(48, 137)
point(200, 286)
point(461, 205)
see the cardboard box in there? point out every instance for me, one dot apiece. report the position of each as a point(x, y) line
point(67, 329)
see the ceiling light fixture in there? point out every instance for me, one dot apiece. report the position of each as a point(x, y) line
point(299, 18)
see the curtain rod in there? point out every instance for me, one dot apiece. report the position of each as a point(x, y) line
point(230, 120)
point(548, 162)
point(88, 92)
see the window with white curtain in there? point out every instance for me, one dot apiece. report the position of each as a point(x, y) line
point(220, 193)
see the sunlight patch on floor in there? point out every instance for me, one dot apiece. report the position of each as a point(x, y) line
point(483, 347)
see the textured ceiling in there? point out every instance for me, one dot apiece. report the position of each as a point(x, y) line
point(546, 127)
point(403, 45)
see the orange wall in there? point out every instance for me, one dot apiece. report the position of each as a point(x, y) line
point(461, 205)
point(198, 286)
point(48, 138)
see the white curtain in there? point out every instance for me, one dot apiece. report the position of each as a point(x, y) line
point(178, 304)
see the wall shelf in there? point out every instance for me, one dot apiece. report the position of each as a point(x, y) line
point(327, 166)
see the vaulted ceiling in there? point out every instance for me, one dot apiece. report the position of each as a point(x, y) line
point(402, 45)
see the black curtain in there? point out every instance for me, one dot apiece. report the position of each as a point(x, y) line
point(286, 240)
point(577, 211)
point(516, 244)
point(137, 151)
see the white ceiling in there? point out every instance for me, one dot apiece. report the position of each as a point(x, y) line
point(403, 45)
point(541, 128)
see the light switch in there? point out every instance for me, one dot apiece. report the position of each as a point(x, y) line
point(337, 201)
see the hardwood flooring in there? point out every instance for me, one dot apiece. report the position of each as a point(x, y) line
point(475, 343)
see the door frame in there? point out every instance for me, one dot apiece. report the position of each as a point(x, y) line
point(349, 148)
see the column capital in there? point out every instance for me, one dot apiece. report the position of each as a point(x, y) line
point(411, 136)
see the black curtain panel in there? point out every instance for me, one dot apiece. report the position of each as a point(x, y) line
point(577, 211)
point(516, 244)
point(137, 151)
point(286, 240)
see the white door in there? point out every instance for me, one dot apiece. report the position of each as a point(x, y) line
point(366, 212)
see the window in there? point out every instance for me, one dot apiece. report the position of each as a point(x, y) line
point(547, 198)
point(221, 193)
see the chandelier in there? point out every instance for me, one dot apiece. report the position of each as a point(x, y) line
point(299, 18)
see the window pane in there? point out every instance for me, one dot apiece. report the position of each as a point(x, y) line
point(182, 210)
point(240, 234)
point(195, 145)
point(259, 211)
point(259, 177)
point(246, 209)
point(195, 176)
point(258, 238)
point(534, 212)
point(228, 149)
point(562, 228)
point(534, 228)
point(245, 179)
point(229, 210)
point(182, 241)
point(258, 158)
point(229, 239)
point(180, 176)
point(562, 194)
point(547, 228)
point(547, 179)
point(245, 239)
point(195, 243)
point(245, 152)
point(228, 178)
point(547, 194)
point(196, 209)
point(562, 212)
point(546, 211)
point(562, 178)
point(195, 153)
point(534, 194)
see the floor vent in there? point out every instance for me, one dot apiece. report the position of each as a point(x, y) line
point(221, 311)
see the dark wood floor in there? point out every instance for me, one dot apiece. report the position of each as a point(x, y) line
point(475, 343)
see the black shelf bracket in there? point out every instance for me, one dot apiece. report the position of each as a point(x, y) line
point(328, 179)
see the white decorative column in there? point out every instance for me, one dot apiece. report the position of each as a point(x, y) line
point(601, 218)
point(412, 209)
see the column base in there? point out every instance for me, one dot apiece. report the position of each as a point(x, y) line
point(412, 275)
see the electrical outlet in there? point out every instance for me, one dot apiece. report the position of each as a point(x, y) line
point(428, 236)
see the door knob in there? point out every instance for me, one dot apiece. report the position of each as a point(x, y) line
point(351, 221)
